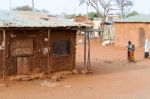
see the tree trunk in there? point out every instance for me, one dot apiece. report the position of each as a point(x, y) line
point(32, 4)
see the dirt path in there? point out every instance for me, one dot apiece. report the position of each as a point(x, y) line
point(113, 78)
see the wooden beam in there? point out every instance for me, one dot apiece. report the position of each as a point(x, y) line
point(4, 56)
point(89, 53)
point(85, 50)
point(48, 55)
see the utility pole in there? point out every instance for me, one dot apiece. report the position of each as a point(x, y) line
point(32, 4)
point(122, 9)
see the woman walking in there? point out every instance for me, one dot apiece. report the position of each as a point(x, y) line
point(129, 50)
point(130, 53)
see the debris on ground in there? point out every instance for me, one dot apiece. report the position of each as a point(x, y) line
point(85, 71)
point(90, 87)
point(67, 86)
point(57, 76)
point(42, 76)
point(96, 59)
point(49, 84)
point(107, 42)
point(26, 77)
point(75, 71)
point(109, 62)
point(3, 85)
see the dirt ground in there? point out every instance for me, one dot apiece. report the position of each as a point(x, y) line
point(112, 78)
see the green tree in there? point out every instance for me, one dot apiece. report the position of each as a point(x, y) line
point(123, 5)
point(102, 7)
point(133, 13)
point(92, 15)
point(23, 8)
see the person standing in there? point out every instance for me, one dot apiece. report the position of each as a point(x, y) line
point(129, 50)
point(132, 56)
point(146, 49)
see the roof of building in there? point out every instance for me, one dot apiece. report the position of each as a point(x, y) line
point(137, 18)
point(33, 19)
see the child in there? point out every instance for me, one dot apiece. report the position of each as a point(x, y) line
point(132, 57)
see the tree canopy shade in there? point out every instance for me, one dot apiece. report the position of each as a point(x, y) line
point(92, 15)
point(26, 7)
point(123, 5)
point(133, 13)
point(126, 3)
point(103, 7)
point(23, 8)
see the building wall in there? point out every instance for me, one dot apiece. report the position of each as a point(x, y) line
point(1, 51)
point(38, 62)
point(125, 32)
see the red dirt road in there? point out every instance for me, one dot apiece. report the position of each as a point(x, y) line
point(112, 78)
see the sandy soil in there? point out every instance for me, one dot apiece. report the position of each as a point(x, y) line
point(112, 78)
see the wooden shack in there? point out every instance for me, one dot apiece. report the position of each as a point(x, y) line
point(31, 42)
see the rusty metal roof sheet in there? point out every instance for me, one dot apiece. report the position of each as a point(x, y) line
point(33, 19)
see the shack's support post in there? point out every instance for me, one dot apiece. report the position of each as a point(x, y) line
point(74, 46)
point(89, 52)
point(4, 56)
point(48, 56)
point(85, 49)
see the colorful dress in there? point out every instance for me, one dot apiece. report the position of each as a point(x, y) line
point(132, 56)
point(129, 51)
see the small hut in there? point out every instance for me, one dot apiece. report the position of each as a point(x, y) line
point(34, 42)
point(135, 29)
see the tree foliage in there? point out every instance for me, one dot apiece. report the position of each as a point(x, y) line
point(28, 8)
point(23, 8)
point(133, 13)
point(102, 7)
point(123, 5)
point(126, 3)
point(92, 15)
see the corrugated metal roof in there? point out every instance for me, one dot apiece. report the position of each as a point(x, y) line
point(32, 19)
point(137, 18)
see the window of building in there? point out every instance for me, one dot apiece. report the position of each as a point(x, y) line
point(61, 47)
